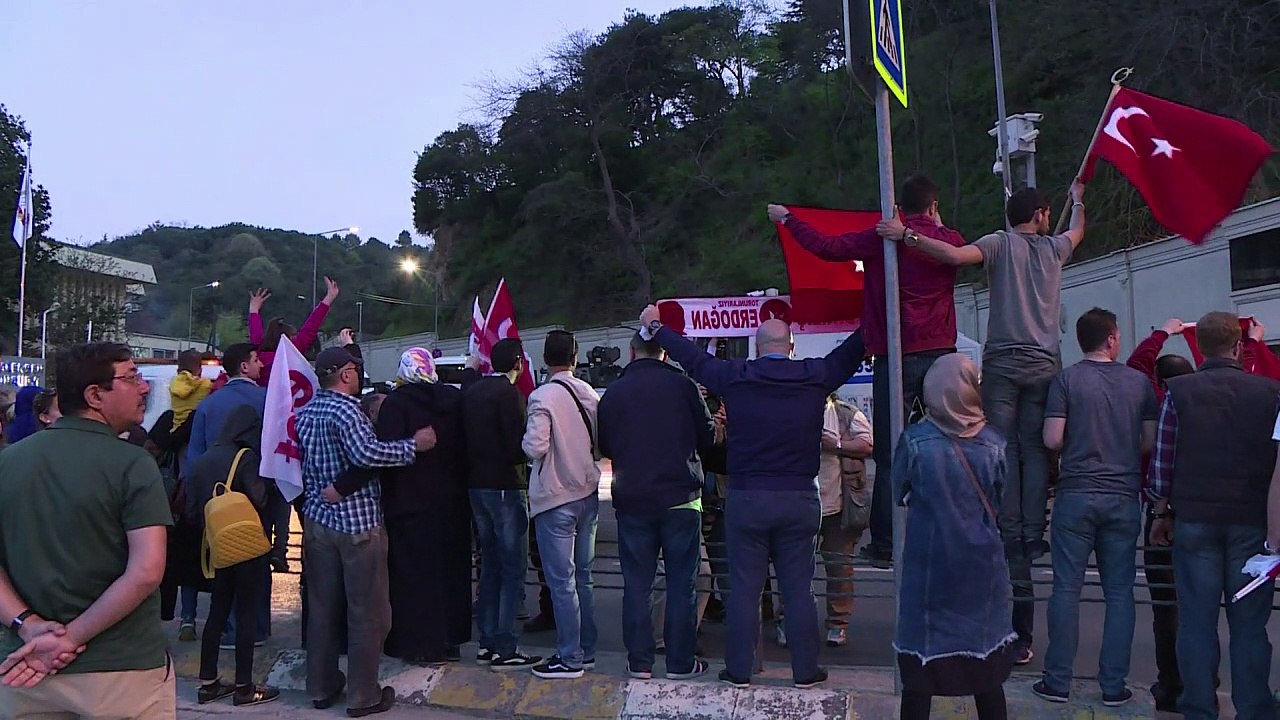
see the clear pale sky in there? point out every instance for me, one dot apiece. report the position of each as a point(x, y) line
point(299, 114)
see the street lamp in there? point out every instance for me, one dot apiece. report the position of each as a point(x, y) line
point(409, 266)
point(315, 253)
point(191, 301)
point(44, 324)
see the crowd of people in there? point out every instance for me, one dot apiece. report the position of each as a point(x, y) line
point(730, 465)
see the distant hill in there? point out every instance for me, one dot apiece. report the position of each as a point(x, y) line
point(243, 257)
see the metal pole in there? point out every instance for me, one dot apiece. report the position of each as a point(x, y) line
point(1003, 135)
point(315, 253)
point(27, 223)
point(191, 301)
point(437, 330)
point(360, 321)
point(893, 315)
point(44, 322)
point(1031, 172)
point(89, 333)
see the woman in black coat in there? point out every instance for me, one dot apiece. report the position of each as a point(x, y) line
point(428, 519)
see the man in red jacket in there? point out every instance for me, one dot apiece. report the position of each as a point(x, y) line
point(926, 293)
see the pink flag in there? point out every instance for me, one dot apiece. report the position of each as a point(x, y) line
point(500, 324)
point(293, 384)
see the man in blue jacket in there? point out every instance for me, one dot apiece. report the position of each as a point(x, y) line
point(652, 423)
point(773, 512)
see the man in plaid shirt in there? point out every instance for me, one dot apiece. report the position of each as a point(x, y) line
point(344, 541)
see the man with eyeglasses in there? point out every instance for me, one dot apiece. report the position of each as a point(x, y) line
point(344, 540)
point(83, 521)
point(1019, 361)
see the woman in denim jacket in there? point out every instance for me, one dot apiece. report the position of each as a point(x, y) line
point(954, 634)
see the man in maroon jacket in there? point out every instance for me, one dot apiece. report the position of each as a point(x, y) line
point(926, 293)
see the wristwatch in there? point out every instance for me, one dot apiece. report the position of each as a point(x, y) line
point(17, 622)
point(655, 326)
point(910, 238)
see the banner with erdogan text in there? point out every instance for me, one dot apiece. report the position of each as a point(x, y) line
point(737, 316)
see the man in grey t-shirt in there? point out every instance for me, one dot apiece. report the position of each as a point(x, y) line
point(1102, 416)
point(1024, 272)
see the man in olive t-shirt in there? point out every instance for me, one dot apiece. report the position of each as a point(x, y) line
point(83, 519)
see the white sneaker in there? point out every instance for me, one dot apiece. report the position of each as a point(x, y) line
point(836, 637)
point(781, 636)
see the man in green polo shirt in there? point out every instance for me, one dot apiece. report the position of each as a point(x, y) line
point(83, 521)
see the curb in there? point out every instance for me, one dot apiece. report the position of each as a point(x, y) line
point(852, 693)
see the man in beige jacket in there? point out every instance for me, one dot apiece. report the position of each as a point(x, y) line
point(563, 502)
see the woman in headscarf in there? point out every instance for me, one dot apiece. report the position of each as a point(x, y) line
point(25, 421)
point(954, 633)
point(428, 518)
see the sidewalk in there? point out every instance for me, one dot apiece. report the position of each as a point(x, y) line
point(606, 693)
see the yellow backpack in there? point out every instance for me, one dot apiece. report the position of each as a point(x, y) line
point(232, 529)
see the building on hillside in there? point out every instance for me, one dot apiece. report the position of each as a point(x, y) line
point(1237, 269)
point(108, 285)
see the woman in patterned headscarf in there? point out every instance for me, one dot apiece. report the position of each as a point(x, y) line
point(428, 518)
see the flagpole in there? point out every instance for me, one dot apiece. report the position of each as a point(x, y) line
point(1117, 81)
point(27, 221)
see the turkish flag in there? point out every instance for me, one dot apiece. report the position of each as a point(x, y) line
point(1192, 167)
point(822, 291)
point(500, 324)
point(477, 330)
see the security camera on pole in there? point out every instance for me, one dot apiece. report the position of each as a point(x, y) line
point(881, 22)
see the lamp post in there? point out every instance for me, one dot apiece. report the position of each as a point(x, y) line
point(410, 267)
point(360, 321)
point(44, 326)
point(191, 300)
point(315, 253)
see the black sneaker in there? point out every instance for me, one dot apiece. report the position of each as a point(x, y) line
point(878, 558)
point(514, 661)
point(641, 674)
point(1118, 699)
point(453, 653)
point(485, 657)
point(254, 695)
point(214, 692)
point(699, 669)
point(1044, 692)
point(1166, 699)
point(728, 679)
point(814, 681)
point(556, 669)
point(589, 664)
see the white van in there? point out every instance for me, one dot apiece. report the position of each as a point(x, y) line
point(159, 376)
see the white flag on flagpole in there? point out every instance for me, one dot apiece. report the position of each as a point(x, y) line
point(22, 219)
point(293, 384)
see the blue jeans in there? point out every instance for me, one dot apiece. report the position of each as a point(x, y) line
point(640, 536)
point(1207, 560)
point(779, 526)
point(567, 543)
point(189, 597)
point(1015, 387)
point(502, 532)
point(1107, 526)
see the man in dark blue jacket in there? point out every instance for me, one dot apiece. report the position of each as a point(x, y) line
point(773, 512)
point(652, 422)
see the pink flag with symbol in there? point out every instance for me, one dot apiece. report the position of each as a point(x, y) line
point(293, 384)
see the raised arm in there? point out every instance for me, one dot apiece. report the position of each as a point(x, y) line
point(940, 250)
point(257, 299)
point(834, 248)
point(843, 362)
point(1076, 231)
point(1148, 351)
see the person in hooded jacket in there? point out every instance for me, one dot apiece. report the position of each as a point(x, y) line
point(241, 437)
point(428, 518)
point(25, 422)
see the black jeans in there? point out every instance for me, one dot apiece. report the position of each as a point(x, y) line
point(241, 582)
point(1158, 567)
point(914, 367)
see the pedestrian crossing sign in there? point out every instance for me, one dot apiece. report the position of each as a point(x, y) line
point(889, 47)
